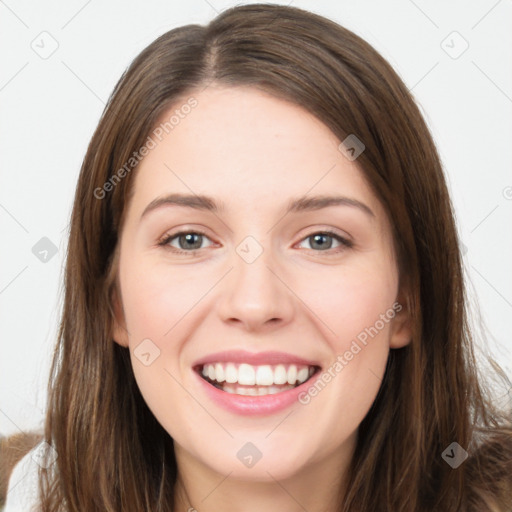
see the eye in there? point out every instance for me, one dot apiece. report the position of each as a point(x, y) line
point(191, 241)
point(322, 240)
point(188, 241)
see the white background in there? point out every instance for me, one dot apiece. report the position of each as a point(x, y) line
point(50, 108)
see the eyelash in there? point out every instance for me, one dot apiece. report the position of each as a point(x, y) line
point(346, 244)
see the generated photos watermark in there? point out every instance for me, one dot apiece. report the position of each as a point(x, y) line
point(151, 143)
point(343, 360)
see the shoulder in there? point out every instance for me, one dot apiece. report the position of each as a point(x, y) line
point(23, 487)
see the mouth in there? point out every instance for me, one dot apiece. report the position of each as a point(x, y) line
point(255, 380)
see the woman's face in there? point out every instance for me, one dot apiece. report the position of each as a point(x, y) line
point(247, 288)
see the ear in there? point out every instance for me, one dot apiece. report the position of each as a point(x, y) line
point(119, 331)
point(401, 324)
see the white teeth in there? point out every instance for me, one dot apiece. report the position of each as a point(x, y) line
point(219, 373)
point(292, 374)
point(303, 375)
point(246, 375)
point(264, 375)
point(255, 390)
point(231, 373)
point(280, 375)
point(262, 391)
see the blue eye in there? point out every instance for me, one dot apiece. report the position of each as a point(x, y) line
point(318, 240)
point(191, 241)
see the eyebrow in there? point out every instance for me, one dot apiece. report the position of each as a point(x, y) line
point(295, 205)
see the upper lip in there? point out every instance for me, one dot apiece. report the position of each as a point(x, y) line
point(254, 358)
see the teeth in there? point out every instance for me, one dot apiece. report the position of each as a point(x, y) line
point(292, 374)
point(281, 375)
point(246, 375)
point(219, 373)
point(264, 375)
point(231, 373)
point(303, 375)
point(254, 390)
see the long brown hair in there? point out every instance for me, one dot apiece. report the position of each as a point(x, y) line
point(113, 455)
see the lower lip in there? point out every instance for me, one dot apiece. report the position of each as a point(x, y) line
point(252, 405)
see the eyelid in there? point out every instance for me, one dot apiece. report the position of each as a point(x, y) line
point(345, 241)
point(167, 237)
point(329, 231)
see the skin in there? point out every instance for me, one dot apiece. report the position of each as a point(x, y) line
point(254, 152)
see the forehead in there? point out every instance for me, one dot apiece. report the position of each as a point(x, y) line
point(246, 147)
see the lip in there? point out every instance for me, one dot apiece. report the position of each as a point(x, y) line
point(248, 405)
point(253, 358)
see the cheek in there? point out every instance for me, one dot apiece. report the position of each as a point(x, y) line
point(352, 301)
point(156, 297)
point(358, 311)
point(156, 301)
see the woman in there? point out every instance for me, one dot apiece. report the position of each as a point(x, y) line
point(265, 366)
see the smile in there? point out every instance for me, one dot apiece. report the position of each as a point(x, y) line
point(255, 380)
point(254, 383)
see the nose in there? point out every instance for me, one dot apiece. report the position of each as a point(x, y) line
point(255, 294)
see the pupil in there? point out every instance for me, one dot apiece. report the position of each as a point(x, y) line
point(316, 237)
point(188, 238)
